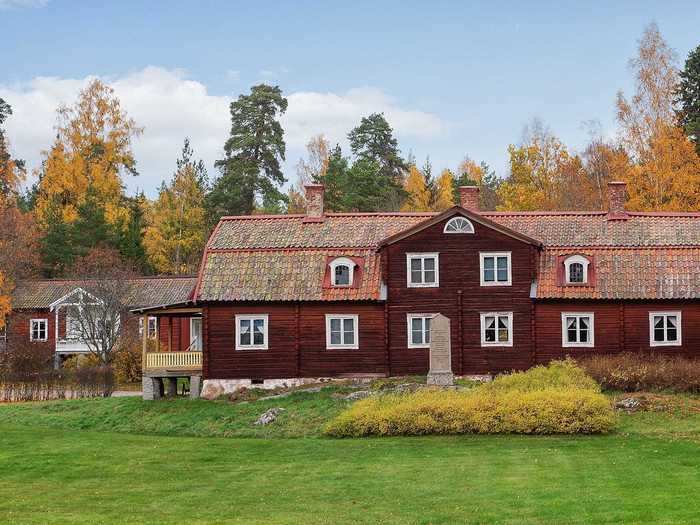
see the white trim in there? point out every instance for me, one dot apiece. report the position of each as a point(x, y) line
point(482, 256)
point(79, 290)
point(483, 317)
point(356, 330)
point(409, 340)
point(200, 346)
point(576, 259)
point(422, 256)
point(251, 318)
point(45, 322)
point(342, 261)
point(679, 329)
point(455, 219)
point(155, 327)
point(591, 330)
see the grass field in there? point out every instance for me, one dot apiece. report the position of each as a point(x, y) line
point(81, 462)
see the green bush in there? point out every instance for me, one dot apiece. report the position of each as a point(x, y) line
point(635, 372)
point(540, 401)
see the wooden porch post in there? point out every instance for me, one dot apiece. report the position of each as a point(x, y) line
point(144, 342)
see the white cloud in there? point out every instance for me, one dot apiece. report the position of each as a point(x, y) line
point(233, 75)
point(22, 4)
point(170, 106)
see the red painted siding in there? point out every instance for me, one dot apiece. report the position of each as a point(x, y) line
point(619, 326)
point(459, 269)
point(297, 342)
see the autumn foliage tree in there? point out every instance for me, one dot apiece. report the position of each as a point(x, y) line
point(665, 171)
point(81, 177)
point(18, 240)
point(418, 197)
point(177, 230)
point(309, 170)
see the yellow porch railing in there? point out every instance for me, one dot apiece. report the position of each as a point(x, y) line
point(173, 360)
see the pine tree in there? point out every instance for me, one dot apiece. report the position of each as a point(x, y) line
point(253, 151)
point(689, 97)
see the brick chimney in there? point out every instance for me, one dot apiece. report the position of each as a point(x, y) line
point(469, 198)
point(617, 196)
point(314, 202)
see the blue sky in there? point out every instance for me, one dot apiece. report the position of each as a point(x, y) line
point(454, 78)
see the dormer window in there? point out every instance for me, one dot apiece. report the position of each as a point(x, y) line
point(576, 269)
point(459, 225)
point(342, 271)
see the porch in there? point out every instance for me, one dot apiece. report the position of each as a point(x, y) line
point(173, 348)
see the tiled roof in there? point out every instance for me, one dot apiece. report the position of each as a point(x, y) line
point(594, 228)
point(283, 275)
point(352, 230)
point(277, 258)
point(144, 291)
point(626, 273)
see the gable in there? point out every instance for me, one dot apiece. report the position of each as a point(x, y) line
point(471, 216)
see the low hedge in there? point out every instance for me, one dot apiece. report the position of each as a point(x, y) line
point(635, 372)
point(540, 401)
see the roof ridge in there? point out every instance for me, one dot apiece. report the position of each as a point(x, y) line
point(83, 279)
point(294, 249)
point(331, 214)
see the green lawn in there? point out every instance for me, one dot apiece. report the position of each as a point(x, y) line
point(51, 471)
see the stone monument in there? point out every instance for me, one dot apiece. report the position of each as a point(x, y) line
point(440, 352)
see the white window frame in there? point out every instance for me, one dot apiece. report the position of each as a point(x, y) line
point(154, 320)
point(483, 317)
point(356, 330)
point(342, 261)
point(252, 317)
point(470, 228)
point(591, 330)
point(485, 255)
point(567, 268)
point(423, 256)
point(201, 334)
point(44, 322)
point(409, 334)
point(679, 328)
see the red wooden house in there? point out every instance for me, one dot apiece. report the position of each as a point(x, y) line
point(44, 312)
point(288, 298)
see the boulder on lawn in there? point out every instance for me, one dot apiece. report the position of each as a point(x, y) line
point(212, 391)
point(629, 403)
point(269, 416)
point(359, 394)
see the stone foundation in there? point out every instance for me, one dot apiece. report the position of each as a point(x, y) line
point(214, 388)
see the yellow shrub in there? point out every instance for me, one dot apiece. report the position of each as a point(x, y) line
point(512, 404)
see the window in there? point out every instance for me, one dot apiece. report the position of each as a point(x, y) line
point(342, 270)
point(577, 329)
point(422, 270)
point(576, 269)
point(459, 225)
point(497, 329)
point(664, 328)
point(341, 331)
point(152, 327)
point(195, 334)
point(251, 332)
point(495, 269)
point(3, 332)
point(39, 330)
point(418, 330)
